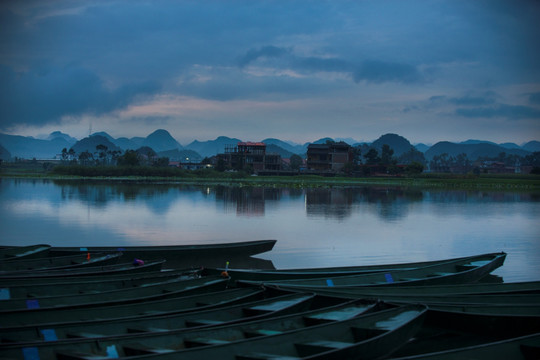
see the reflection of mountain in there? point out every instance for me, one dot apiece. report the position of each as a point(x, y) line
point(387, 203)
point(157, 197)
point(390, 204)
point(248, 201)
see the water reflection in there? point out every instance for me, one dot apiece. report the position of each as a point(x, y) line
point(246, 201)
point(388, 203)
point(314, 227)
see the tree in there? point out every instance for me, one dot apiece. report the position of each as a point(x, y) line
point(161, 162)
point(296, 161)
point(130, 158)
point(372, 157)
point(86, 158)
point(102, 152)
point(414, 168)
point(357, 155)
point(387, 155)
point(411, 156)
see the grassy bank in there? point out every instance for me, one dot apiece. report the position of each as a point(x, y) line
point(168, 175)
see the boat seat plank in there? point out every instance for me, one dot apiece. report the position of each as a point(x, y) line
point(202, 322)
point(133, 350)
point(84, 335)
point(278, 305)
point(408, 279)
point(341, 314)
point(261, 332)
point(203, 342)
point(135, 330)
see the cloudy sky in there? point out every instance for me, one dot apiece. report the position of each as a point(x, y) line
point(295, 70)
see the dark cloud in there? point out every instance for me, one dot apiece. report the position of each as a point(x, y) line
point(513, 112)
point(379, 72)
point(324, 64)
point(486, 98)
point(534, 98)
point(471, 100)
point(265, 51)
point(44, 96)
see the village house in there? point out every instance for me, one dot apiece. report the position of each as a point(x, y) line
point(330, 157)
point(250, 156)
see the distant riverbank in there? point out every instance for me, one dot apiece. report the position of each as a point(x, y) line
point(425, 180)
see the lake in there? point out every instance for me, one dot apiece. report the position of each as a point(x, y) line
point(314, 227)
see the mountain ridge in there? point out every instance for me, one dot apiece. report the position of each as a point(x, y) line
point(162, 141)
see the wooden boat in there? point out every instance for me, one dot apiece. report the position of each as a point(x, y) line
point(58, 262)
point(12, 253)
point(443, 331)
point(528, 287)
point(177, 253)
point(451, 272)
point(103, 271)
point(191, 337)
point(305, 273)
point(370, 336)
point(490, 309)
point(62, 286)
point(520, 348)
point(232, 312)
point(154, 291)
point(34, 313)
point(195, 299)
point(122, 319)
point(403, 298)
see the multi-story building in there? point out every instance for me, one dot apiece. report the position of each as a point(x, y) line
point(329, 157)
point(250, 156)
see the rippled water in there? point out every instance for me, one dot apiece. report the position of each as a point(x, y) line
point(314, 227)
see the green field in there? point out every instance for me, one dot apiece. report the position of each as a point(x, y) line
point(152, 174)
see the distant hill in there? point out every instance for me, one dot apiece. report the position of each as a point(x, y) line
point(212, 147)
point(474, 141)
point(293, 149)
point(161, 140)
point(320, 141)
point(90, 143)
point(105, 135)
point(181, 155)
point(472, 150)
point(398, 143)
point(29, 148)
point(4, 154)
point(58, 134)
point(126, 144)
point(422, 147)
point(532, 146)
point(138, 140)
point(274, 149)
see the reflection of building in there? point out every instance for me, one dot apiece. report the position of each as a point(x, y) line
point(249, 201)
point(328, 157)
point(250, 156)
point(331, 203)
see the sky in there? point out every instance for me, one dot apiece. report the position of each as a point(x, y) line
point(295, 70)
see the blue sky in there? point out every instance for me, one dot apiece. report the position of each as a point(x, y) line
point(295, 70)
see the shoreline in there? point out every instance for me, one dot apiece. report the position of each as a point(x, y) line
point(506, 182)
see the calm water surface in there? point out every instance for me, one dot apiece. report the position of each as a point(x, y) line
point(314, 227)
